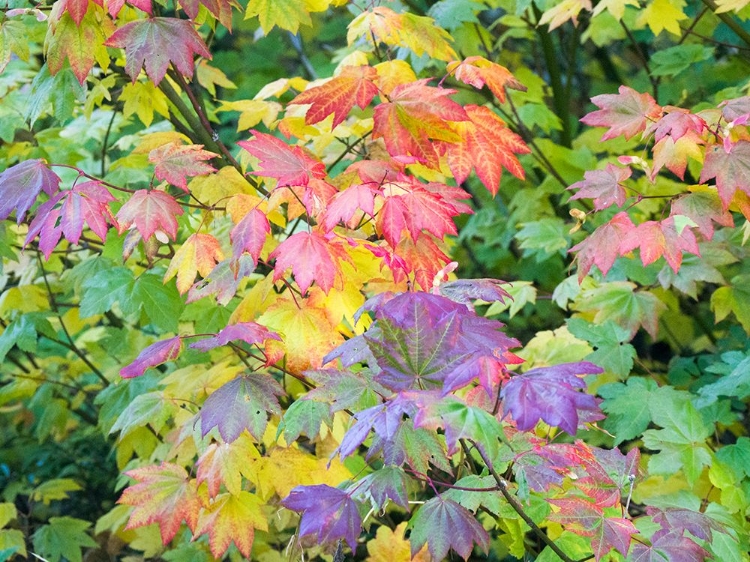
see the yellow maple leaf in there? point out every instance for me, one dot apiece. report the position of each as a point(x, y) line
point(731, 5)
point(209, 77)
point(143, 99)
point(615, 7)
point(199, 254)
point(391, 546)
point(154, 140)
point(286, 467)
point(253, 112)
point(232, 519)
point(663, 14)
point(564, 11)
point(227, 463)
point(286, 14)
point(307, 333)
point(220, 186)
point(393, 73)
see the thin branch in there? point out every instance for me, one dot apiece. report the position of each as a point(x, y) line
point(729, 21)
point(518, 508)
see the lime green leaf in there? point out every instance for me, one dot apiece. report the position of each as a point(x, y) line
point(63, 537)
point(53, 490)
point(734, 298)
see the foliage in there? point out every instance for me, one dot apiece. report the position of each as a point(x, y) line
point(230, 322)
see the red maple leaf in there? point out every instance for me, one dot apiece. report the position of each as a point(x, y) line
point(416, 115)
point(603, 186)
point(249, 235)
point(422, 258)
point(731, 169)
point(289, 164)
point(346, 206)
point(311, 257)
point(114, 6)
point(657, 238)
point(155, 354)
point(164, 495)
point(86, 202)
point(674, 154)
point(703, 208)
point(603, 246)
point(354, 85)
point(157, 42)
point(149, 211)
point(21, 184)
point(175, 162)
point(478, 72)
point(412, 207)
point(76, 8)
point(627, 113)
point(488, 146)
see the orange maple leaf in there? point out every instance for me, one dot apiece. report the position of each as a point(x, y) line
point(416, 115)
point(354, 85)
point(478, 72)
point(164, 495)
point(488, 146)
point(175, 162)
point(225, 463)
point(199, 254)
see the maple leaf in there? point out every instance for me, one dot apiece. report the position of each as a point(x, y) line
point(249, 235)
point(674, 154)
point(603, 186)
point(114, 6)
point(286, 14)
point(704, 208)
point(327, 512)
point(77, 8)
point(199, 254)
point(344, 389)
point(85, 202)
point(733, 109)
point(249, 332)
point(551, 394)
point(226, 463)
point(676, 123)
point(155, 354)
point(657, 238)
point(220, 9)
point(414, 115)
point(149, 211)
point(81, 45)
point(422, 258)
point(417, 210)
point(671, 546)
point(242, 403)
point(478, 72)
point(627, 113)
point(231, 519)
point(391, 546)
point(289, 164)
point(164, 495)
point(346, 205)
point(442, 524)
point(465, 291)
point(676, 520)
point(488, 146)
point(386, 484)
point(354, 85)
point(156, 42)
point(602, 247)
point(175, 162)
point(730, 169)
point(21, 184)
point(311, 257)
point(424, 339)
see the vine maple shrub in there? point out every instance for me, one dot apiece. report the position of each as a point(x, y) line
point(269, 341)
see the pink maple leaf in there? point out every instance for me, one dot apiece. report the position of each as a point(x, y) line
point(311, 257)
point(150, 211)
point(21, 184)
point(603, 246)
point(249, 235)
point(603, 186)
point(660, 238)
point(289, 164)
point(627, 113)
point(175, 162)
point(155, 354)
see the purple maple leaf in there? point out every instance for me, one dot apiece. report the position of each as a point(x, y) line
point(672, 546)
point(21, 184)
point(249, 332)
point(155, 354)
point(614, 532)
point(242, 403)
point(679, 520)
point(443, 524)
point(551, 394)
point(387, 483)
point(464, 291)
point(326, 512)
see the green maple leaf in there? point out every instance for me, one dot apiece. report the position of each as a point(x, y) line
point(612, 352)
point(627, 406)
point(304, 417)
point(63, 537)
point(734, 298)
